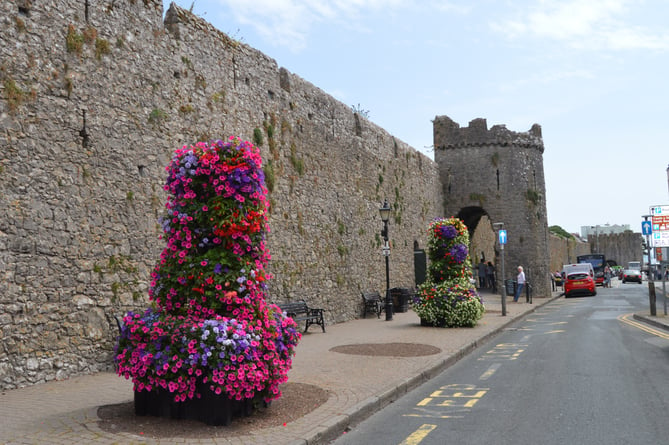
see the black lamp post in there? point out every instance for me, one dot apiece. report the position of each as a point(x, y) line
point(385, 215)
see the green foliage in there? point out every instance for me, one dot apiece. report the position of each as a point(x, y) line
point(342, 250)
point(478, 198)
point(257, 136)
point(14, 95)
point(341, 228)
point(495, 159)
point(268, 169)
point(102, 47)
point(157, 116)
point(533, 196)
point(297, 163)
point(186, 61)
point(74, 42)
point(559, 231)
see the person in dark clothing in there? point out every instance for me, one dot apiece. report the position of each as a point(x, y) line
point(490, 276)
point(482, 274)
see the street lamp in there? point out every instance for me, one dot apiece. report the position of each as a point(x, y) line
point(499, 226)
point(385, 216)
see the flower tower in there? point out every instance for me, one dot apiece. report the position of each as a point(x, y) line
point(448, 298)
point(210, 345)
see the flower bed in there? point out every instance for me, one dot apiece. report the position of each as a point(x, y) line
point(210, 331)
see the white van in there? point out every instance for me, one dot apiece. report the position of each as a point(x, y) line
point(580, 267)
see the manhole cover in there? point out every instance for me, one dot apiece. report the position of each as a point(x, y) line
point(388, 349)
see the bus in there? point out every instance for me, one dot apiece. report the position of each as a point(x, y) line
point(598, 262)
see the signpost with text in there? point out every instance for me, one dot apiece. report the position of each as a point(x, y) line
point(660, 226)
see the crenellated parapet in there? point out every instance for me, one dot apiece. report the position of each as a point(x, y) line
point(477, 134)
point(497, 176)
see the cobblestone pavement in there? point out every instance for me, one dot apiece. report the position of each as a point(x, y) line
point(65, 412)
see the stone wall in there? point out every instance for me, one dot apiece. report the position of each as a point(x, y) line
point(94, 97)
point(564, 251)
point(619, 247)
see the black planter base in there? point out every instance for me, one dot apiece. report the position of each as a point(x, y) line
point(437, 324)
point(211, 408)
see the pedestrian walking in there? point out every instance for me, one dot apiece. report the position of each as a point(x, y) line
point(520, 280)
point(607, 276)
point(490, 277)
point(482, 274)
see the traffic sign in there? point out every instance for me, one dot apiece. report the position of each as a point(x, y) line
point(660, 226)
point(502, 236)
point(646, 227)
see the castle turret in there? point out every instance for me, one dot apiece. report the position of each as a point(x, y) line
point(497, 175)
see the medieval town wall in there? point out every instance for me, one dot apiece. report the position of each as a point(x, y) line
point(94, 98)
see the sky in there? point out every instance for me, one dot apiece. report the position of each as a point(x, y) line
point(594, 74)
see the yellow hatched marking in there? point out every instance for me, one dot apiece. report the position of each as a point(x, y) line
point(463, 396)
point(627, 318)
point(417, 436)
point(507, 351)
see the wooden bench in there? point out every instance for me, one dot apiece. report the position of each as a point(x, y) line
point(300, 311)
point(373, 303)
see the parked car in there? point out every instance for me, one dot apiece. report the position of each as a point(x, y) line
point(579, 283)
point(631, 275)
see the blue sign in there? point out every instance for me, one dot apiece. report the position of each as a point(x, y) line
point(646, 227)
point(502, 236)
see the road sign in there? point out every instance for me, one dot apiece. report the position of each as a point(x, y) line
point(646, 227)
point(660, 226)
point(502, 236)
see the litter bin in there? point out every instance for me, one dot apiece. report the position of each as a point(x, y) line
point(400, 296)
point(510, 286)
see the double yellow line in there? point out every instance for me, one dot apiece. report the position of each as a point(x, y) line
point(628, 319)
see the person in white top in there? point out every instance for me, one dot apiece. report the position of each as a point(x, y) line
point(521, 283)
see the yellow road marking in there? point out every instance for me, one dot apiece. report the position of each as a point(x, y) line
point(489, 373)
point(433, 416)
point(627, 318)
point(417, 436)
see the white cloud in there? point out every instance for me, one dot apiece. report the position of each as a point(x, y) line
point(288, 22)
point(592, 24)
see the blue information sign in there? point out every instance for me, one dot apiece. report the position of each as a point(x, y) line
point(502, 236)
point(646, 227)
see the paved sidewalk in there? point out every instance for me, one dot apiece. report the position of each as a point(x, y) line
point(65, 412)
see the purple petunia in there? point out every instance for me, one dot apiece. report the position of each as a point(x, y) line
point(448, 232)
point(459, 253)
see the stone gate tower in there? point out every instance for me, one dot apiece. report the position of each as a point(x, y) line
point(497, 175)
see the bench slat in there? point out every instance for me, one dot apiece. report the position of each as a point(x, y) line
point(372, 302)
point(300, 311)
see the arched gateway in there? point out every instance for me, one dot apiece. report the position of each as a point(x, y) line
point(492, 176)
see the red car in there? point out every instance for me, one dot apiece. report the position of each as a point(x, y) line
point(579, 283)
